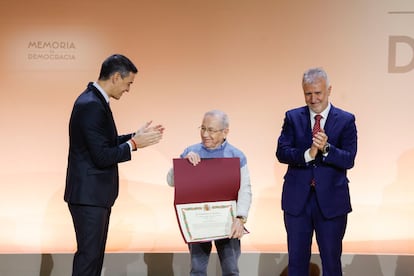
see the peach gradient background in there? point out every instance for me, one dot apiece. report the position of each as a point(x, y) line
point(245, 57)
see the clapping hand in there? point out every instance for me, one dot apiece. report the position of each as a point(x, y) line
point(148, 135)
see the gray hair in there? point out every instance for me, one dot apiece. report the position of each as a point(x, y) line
point(221, 115)
point(313, 74)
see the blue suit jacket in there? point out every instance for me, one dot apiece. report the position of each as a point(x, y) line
point(329, 173)
point(95, 149)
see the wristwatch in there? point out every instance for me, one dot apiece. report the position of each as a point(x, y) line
point(243, 219)
point(326, 148)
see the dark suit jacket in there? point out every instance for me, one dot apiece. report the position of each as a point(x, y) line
point(95, 149)
point(329, 173)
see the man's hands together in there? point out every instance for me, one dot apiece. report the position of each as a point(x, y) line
point(319, 141)
point(148, 135)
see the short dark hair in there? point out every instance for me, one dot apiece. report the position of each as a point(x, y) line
point(116, 63)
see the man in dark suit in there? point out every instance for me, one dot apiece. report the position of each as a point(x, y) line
point(315, 195)
point(95, 149)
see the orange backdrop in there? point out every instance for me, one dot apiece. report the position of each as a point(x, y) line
point(244, 57)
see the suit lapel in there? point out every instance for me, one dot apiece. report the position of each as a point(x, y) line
point(331, 120)
point(305, 121)
point(106, 106)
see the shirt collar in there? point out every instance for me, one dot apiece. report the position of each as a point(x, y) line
point(102, 91)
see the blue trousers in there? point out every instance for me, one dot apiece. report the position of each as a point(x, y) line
point(228, 251)
point(329, 235)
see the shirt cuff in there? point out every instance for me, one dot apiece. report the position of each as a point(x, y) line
point(130, 145)
point(307, 156)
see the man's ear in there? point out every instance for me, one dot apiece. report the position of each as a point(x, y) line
point(226, 131)
point(115, 77)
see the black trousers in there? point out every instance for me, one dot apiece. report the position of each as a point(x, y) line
point(91, 228)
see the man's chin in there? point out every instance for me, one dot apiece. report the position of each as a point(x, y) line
point(207, 145)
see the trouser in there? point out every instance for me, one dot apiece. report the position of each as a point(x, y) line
point(329, 235)
point(228, 251)
point(91, 228)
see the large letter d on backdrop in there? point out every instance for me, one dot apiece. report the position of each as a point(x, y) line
point(392, 54)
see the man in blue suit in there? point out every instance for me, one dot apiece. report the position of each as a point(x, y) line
point(315, 195)
point(95, 149)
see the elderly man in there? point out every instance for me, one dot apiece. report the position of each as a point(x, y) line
point(213, 131)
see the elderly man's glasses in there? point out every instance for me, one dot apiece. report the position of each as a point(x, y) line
point(209, 130)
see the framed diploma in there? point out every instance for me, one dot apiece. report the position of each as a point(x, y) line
point(206, 221)
point(205, 197)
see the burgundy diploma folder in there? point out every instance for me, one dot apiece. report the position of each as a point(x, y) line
point(214, 179)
